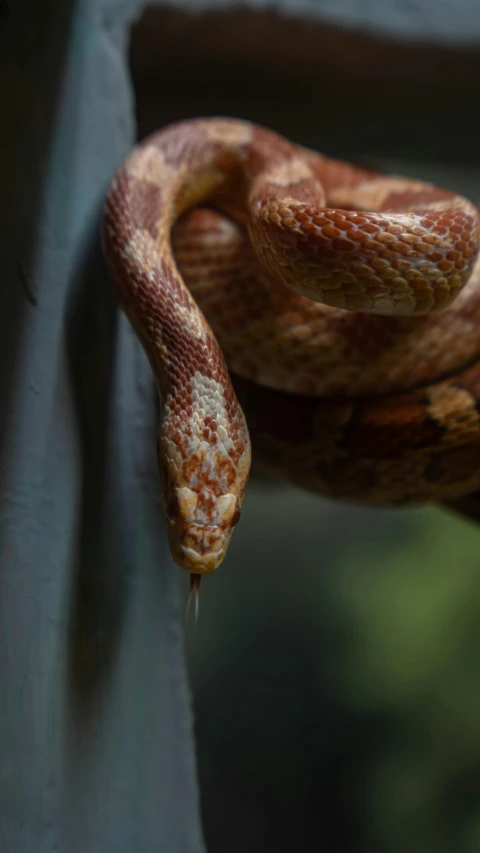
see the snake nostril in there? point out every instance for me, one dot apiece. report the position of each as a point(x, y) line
point(236, 516)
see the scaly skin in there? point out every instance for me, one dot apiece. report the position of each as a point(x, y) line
point(350, 239)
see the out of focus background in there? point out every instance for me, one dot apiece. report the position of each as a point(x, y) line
point(328, 699)
point(335, 678)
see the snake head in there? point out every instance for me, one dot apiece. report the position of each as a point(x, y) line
point(203, 493)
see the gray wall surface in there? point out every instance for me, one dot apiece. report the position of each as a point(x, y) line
point(95, 729)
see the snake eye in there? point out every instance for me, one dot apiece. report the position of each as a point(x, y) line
point(172, 508)
point(236, 516)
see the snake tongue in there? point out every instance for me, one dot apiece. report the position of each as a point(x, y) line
point(195, 581)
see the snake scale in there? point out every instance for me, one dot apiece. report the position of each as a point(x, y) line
point(345, 304)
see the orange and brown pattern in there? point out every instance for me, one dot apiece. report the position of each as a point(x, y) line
point(322, 286)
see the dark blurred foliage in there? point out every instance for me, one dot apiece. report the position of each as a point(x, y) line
point(335, 672)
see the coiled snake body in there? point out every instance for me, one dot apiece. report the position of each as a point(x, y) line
point(292, 264)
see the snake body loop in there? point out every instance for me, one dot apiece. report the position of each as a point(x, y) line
point(325, 286)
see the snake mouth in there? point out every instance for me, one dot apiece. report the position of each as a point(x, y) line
point(200, 548)
point(200, 564)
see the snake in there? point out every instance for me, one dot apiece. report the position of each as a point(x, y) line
point(334, 307)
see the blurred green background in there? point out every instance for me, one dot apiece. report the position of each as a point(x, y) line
point(335, 669)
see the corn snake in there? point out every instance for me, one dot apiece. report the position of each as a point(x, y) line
point(346, 303)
